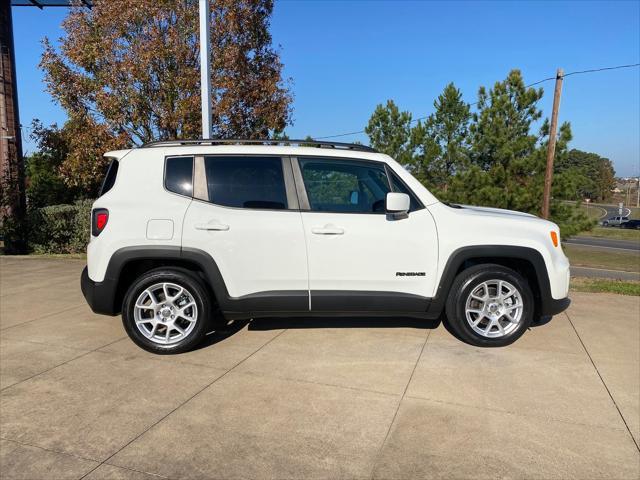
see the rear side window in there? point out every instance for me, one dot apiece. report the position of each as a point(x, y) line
point(178, 176)
point(109, 178)
point(246, 182)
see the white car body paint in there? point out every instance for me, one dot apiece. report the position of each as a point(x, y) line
point(268, 250)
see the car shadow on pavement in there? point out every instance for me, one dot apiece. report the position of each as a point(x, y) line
point(221, 334)
point(260, 324)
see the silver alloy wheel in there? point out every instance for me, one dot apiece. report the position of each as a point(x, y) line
point(165, 313)
point(494, 308)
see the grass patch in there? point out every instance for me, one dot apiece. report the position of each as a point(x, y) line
point(603, 285)
point(613, 232)
point(73, 256)
point(80, 256)
point(610, 259)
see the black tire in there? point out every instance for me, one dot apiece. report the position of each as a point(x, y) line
point(470, 279)
point(605, 224)
point(195, 288)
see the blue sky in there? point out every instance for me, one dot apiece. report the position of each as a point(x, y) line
point(346, 57)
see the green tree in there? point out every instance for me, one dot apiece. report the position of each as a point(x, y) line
point(595, 175)
point(606, 180)
point(389, 131)
point(442, 141)
point(45, 183)
point(507, 161)
point(504, 171)
point(491, 157)
point(501, 129)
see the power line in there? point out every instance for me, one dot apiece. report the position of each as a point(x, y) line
point(602, 69)
point(592, 70)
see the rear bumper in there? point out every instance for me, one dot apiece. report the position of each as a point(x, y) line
point(99, 295)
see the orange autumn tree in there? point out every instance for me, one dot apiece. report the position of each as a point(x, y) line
point(128, 72)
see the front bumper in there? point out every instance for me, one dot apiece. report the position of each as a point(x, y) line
point(553, 307)
point(99, 295)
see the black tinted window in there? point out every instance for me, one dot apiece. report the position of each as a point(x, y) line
point(110, 177)
point(399, 186)
point(179, 175)
point(246, 182)
point(348, 186)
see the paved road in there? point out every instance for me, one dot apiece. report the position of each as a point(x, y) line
point(322, 399)
point(604, 273)
point(605, 243)
point(611, 211)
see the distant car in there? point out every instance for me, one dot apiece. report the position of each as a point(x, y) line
point(631, 224)
point(615, 221)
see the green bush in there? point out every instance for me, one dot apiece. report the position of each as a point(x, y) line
point(60, 228)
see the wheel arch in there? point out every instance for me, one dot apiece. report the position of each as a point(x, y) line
point(526, 261)
point(128, 263)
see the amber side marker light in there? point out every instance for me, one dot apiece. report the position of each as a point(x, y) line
point(554, 238)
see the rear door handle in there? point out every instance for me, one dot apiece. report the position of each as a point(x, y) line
point(212, 226)
point(328, 230)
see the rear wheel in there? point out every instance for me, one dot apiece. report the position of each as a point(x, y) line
point(166, 310)
point(489, 305)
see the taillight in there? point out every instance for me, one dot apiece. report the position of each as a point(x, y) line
point(99, 219)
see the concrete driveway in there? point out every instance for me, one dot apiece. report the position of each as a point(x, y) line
point(309, 398)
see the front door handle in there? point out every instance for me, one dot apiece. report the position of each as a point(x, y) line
point(220, 227)
point(328, 230)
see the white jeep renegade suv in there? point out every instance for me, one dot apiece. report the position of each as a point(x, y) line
point(189, 233)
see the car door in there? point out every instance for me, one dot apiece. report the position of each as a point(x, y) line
point(245, 216)
point(360, 258)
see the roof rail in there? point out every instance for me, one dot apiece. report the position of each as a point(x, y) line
point(242, 141)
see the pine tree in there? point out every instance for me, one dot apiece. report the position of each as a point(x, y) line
point(389, 131)
point(442, 141)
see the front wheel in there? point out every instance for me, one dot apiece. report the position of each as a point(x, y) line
point(166, 310)
point(489, 305)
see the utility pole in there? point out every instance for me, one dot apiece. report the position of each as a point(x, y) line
point(205, 68)
point(551, 149)
point(12, 183)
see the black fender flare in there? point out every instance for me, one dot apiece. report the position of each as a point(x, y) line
point(262, 301)
point(547, 305)
point(123, 256)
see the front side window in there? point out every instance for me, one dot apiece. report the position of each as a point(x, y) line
point(178, 177)
point(346, 186)
point(246, 182)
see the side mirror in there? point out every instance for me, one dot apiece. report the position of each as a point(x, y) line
point(398, 203)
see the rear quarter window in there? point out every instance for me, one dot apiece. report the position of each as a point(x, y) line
point(110, 177)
